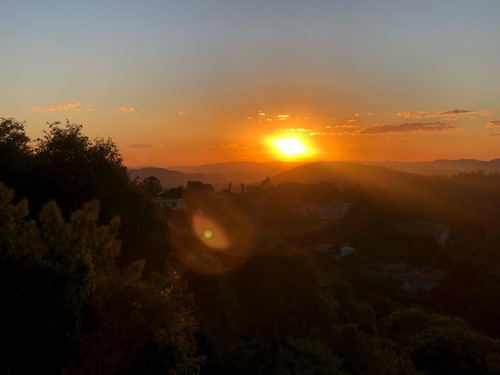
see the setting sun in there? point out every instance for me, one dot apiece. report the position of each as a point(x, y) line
point(290, 146)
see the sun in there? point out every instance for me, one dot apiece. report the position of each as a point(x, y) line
point(290, 146)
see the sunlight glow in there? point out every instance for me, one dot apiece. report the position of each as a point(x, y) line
point(290, 146)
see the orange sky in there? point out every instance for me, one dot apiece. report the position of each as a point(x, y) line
point(201, 82)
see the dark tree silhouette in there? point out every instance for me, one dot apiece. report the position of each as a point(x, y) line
point(152, 186)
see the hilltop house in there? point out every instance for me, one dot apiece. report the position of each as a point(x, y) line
point(439, 232)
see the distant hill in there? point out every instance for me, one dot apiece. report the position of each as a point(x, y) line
point(238, 172)
point(349, 174)
point(346, 174)
point(271, 168)
point(377, 174)
point(169, 178)
point(219, 174)
point(440, 167)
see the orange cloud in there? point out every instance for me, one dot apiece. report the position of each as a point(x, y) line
point(282, 117)
point(493, 123)
point(59, 107)
point(444, 113)
point(127, 109)
point(436, 126)
point(181, 113)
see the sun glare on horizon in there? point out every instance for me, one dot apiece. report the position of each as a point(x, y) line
point(290, 147)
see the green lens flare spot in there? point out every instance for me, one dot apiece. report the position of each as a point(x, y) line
point(208, 234)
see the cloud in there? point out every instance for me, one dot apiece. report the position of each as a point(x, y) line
point(282, 117)
point(180, 113)
point(59, 107)
point(436, 126)
point(494, 134)
point(444, 113)
point(493, 123)
point(126, 109)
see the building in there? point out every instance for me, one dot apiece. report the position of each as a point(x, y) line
point(346, 250)
point(412, 280)
point(439, 232)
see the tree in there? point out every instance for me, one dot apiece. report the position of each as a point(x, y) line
point(152, 186)
point(12, 134)
point(15, 155)
point(173, 193)
point(67, 308)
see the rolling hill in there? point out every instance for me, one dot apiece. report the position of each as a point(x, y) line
point(440, 167)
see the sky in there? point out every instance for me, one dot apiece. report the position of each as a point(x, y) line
point(195, 82)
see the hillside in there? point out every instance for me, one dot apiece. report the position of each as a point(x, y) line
point(219, 175)
point(348, 174)
point(441, 167)
point(269, 168)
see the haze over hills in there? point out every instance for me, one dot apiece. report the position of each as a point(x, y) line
point(220, 174)
point(347, 174)
point(442, 167)
point(271, 168)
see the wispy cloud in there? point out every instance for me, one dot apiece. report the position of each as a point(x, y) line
point(444, 113)
point(126, 109)
point(436, 126)
point(493, 123)
point(494, 134)
point(180, 113)
point(60, 107)
point(282, 117)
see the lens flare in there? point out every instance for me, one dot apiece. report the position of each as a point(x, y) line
point(210, 232)
point(215, 239)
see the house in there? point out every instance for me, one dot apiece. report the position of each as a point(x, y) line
point(439, 232)
point(412, 279)
point(346, 250)
point(395, 270)
point(427, 278)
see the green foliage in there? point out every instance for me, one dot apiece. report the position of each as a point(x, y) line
point(69, 308)
point(403, 323)
point(302, 356)
point(445, 352)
